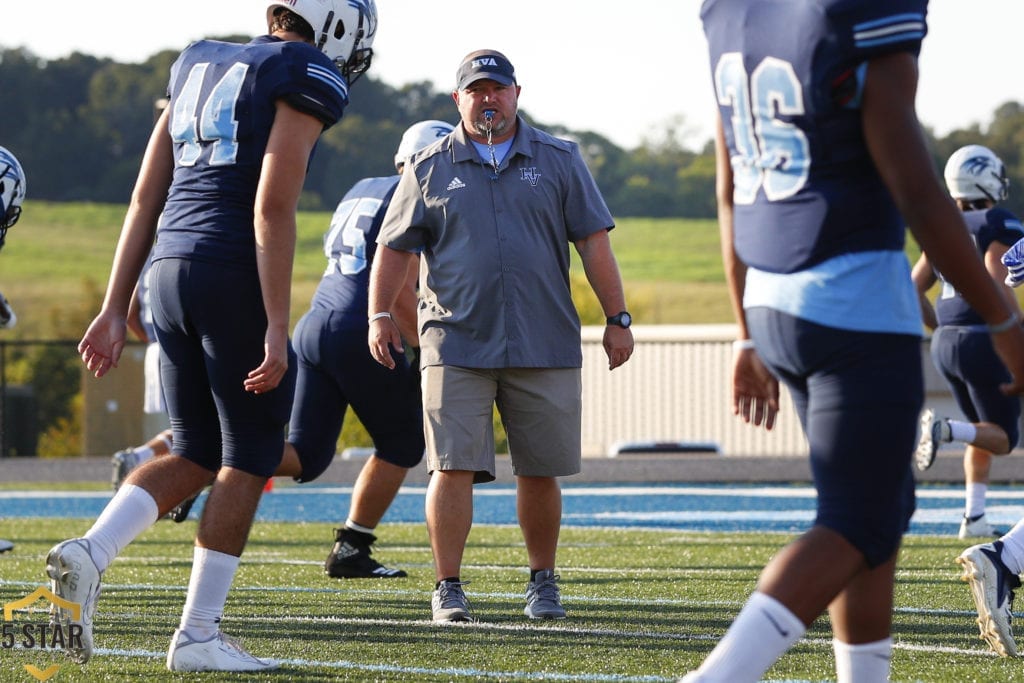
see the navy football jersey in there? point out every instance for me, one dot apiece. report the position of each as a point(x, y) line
point(222, 106)
point(350, 244)
point(986, 226)
point(805, 186)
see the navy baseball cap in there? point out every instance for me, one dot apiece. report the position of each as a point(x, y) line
point(485, 64)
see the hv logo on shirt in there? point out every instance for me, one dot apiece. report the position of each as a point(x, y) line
point(530, 175)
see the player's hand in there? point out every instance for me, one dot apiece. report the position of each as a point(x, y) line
point(755, 391)
point(103, 342)
point(382, 337)
point(274, 366)
point(1013, 259)
point(618, 344)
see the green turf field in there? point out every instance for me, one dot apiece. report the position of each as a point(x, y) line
point(643, 606)
point(57, 259)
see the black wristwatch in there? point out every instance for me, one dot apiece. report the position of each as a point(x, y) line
point(623, 320)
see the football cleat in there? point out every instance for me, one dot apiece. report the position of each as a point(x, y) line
point(935, 430)
point(75, 578)
point(179, 513)
point(992, 587)
point(350, 558)
point(977, 527)
point(219, 653)
point(122, 463)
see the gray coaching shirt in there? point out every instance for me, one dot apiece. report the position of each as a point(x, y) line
point(494, 278)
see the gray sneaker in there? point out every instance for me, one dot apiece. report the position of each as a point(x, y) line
point(992, 585)
point(122, 463)
point(935, 430)
point(75, 578)
point(449, 602)
point(543, 599)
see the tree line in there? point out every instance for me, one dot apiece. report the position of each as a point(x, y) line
point(79, 125)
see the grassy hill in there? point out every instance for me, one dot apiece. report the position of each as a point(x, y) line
point(55, 264)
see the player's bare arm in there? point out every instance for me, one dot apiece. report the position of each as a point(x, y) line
point(104, 340)
point(755, 391)
point(897, 146)
point(284, 169)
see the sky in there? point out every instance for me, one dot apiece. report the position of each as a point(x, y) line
point(624, 70)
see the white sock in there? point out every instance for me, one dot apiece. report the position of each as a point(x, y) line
point(1013, 548)
point(208, 586)
point(962, 431)
point(975, 503)
point(130, 512)
point(356, 527)
point(762, 631)
point(864, 662)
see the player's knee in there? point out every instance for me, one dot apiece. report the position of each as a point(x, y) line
point(876, 538)
point(1012, 438)
point(314, 461)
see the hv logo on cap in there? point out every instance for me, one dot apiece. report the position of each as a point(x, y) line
point(482, 64)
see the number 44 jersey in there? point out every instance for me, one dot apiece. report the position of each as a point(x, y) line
point(806, 189)
point(223, 98)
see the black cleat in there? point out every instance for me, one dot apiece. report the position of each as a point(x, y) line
point(350, 558)
point(179, 513)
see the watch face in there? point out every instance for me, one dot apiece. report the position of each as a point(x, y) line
point(625, 320)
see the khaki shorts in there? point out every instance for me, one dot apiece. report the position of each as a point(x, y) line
point(540, 409)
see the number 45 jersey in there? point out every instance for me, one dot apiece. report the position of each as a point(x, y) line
point(223, 98)
point(788, 77)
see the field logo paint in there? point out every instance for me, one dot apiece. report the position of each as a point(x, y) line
point(42, 636)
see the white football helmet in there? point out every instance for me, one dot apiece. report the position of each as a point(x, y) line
point(975, 173)
point(344, 30)
point(419, 135)
point(12, 191)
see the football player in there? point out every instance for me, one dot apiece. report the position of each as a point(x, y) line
point(822, 164)
point(221, 176)
point(336, 370)
point(12, 194)
point(961, 348)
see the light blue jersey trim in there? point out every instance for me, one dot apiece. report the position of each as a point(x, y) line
point(868, 291)
point(329, 78)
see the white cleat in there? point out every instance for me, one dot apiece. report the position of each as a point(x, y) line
point(75, 578)
point(992, 586)
point(219, 653)
point(977, 527)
